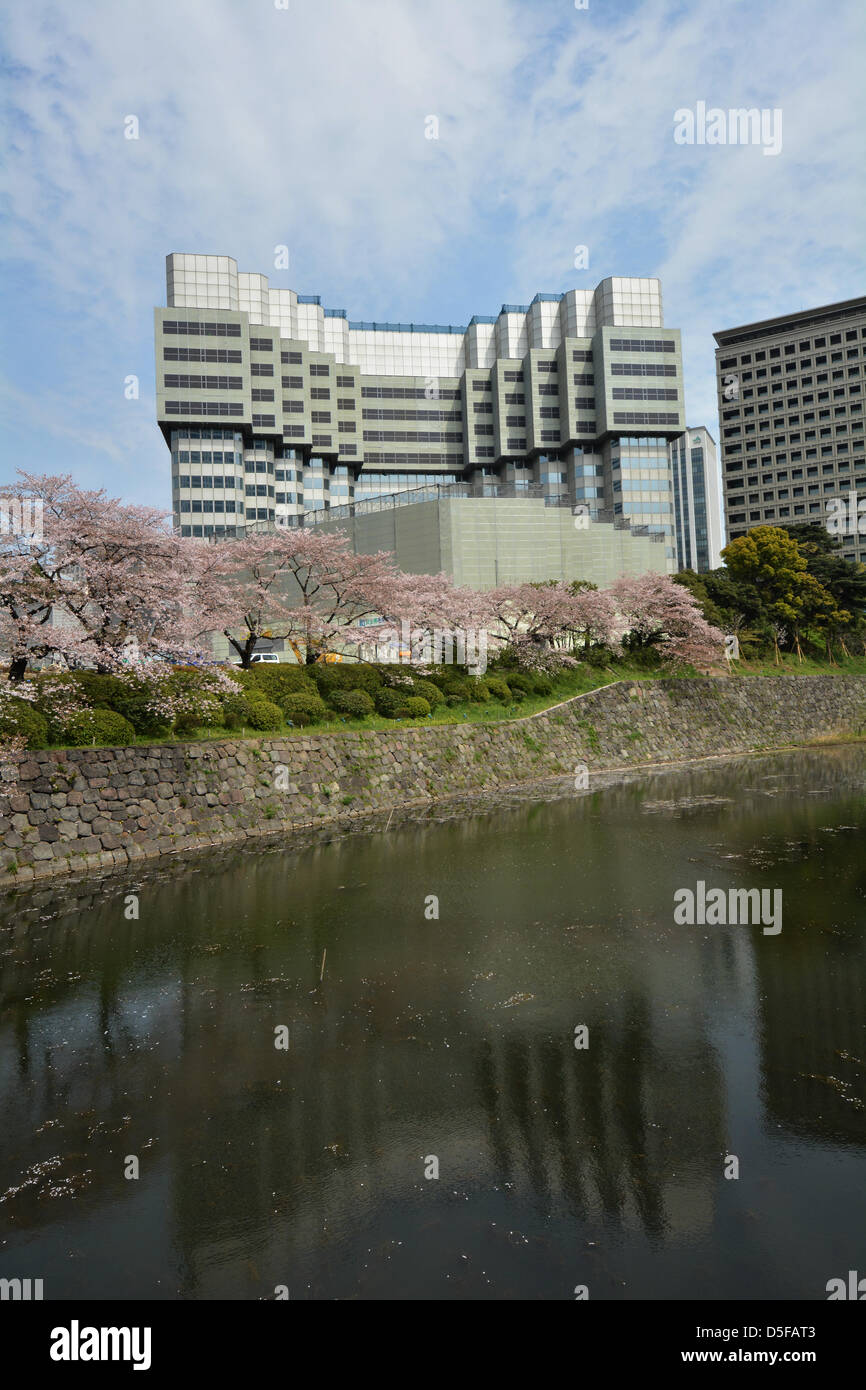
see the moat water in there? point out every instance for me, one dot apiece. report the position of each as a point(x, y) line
point(448, 1042)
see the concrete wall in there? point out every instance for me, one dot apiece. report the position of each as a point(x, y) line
point(486, 541)
point(92, 808)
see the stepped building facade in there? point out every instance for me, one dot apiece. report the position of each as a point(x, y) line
point(275, 408)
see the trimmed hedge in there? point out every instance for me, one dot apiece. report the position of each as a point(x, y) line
point(21, 719)
point(276, 681)
point(429, 692)
point(253, 711)
point(417, 707)
point(518, 680)
point(99, 726)
point(345, 675)
point(303, 708)
point(356, 703)
point(130, 700)
point(265, 715)
point(392, 703)
point(498, 688)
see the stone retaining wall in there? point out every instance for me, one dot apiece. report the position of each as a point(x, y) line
point(79, 809)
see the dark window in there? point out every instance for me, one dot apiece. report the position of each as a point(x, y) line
point(202, 355)
point(202, 408)
point(204, 383)
point(645, 345)
point(639, 418)
point(191, 327)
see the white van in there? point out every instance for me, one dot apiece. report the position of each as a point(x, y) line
point(263, 656)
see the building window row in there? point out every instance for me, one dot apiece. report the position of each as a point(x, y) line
point(195, 480)
point(447, 416)
point(215, 504)
point(410, 437)
point(642, 369)
point(644, 393)
point(628, 417)
point(203, 383)
point(408, 393)
point(642, 345)
point(192, 327)
point(202, 355)
point(202, 408)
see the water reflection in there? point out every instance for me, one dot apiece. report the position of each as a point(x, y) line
point(455, 1038)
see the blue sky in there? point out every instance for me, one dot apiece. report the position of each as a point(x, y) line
point(305, 126)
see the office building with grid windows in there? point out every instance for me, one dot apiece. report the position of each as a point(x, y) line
point(697, 500)
point(275, 407)
point(790, 395)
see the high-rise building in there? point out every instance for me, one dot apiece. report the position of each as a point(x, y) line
point(274, 406)
point(791, 412)
point(697, 500)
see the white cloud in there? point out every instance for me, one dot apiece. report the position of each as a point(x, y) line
point(306, 127)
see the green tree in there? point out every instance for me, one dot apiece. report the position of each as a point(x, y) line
point(793, 599)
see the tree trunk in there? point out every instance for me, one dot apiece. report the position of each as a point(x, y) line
point(18, 668)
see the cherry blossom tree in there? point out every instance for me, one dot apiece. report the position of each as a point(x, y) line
point(299, 585)
point(100, 578)
point(655, 612)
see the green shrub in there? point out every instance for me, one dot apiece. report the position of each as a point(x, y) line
point(345, 675)
point(391, 703)
point(520, 681)
point(417, 707)
point(236, 709)
point(303, 708)
point(129, 698)
point(645, 658)
point(99, 690)
point(19, 718)
point(461, 688)
point(479, 694)
point(276, 681)
point(596, 655)
point(430, 692)
point(356, 703)
point(265, 715)
point(518, 695)
point(542, 683)
point(453, 700)
point(103, 726)
point(498, 688)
